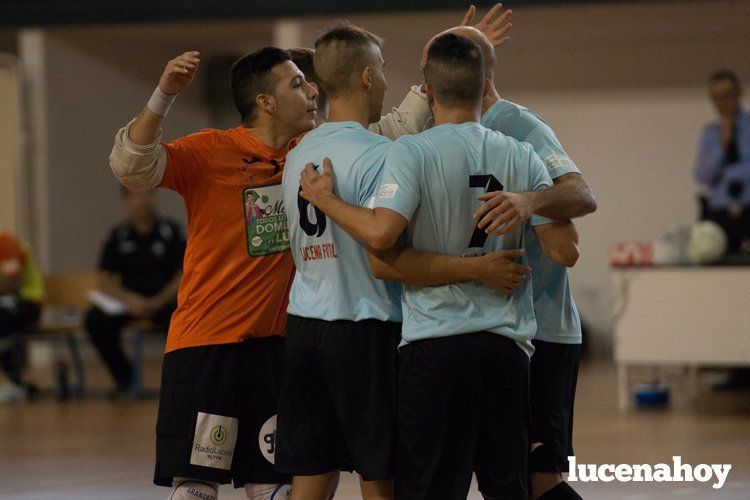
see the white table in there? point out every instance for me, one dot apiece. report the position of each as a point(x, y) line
point(680, 315)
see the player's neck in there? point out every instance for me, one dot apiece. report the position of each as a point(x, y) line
point(349, 110)
point(490, 99)
point(271, 134)
point(455, 115)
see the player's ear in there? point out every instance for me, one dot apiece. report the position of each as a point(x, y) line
point(430, 94)
point(367, 77)
point(487, 87)
point(266, 102)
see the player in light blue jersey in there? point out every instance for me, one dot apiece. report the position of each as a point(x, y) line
point(343, 326)
point(554, 367)
point(321, 288)
point(336, 410)
point(463, 385)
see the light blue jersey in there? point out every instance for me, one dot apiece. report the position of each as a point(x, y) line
point(556, 312)
point(333, 279)
point(432, 179)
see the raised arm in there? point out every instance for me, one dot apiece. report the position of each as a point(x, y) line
point(137, 159)
point(413, 115)
point(494, 24)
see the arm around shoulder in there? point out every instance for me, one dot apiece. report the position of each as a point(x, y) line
point(575, 195)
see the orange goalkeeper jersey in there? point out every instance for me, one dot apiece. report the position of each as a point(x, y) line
point(238, 268)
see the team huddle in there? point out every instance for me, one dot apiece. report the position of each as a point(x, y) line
point(380, 294)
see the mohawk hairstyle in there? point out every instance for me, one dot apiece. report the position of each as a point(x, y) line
point(341, 52)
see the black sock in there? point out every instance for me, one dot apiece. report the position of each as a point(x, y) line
point(562, 491)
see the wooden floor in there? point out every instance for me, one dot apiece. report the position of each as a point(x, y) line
point(94, 449)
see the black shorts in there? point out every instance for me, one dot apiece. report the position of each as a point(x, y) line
point(337, 401)
point(217, 413)
point(462, 406)
point(554, 372)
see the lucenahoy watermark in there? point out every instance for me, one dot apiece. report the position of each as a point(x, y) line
point(677, 471)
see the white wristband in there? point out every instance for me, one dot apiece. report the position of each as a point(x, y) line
point(160, 102)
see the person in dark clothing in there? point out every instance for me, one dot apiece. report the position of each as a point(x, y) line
point(723, 170)
point(723, 165)
point(140, 266)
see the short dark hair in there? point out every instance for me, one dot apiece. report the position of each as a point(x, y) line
point(724, 75)
point(303, 58)
point(340, 52)
point(250, 77)
point(455, 70)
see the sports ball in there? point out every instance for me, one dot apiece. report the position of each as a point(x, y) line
point(707, 244)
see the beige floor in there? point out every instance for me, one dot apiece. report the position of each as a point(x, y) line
point(94, 449)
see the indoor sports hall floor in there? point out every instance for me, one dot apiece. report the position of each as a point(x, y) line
point(94, 449)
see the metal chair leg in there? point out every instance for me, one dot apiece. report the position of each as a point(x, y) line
point(75, 356)
point(137, 362)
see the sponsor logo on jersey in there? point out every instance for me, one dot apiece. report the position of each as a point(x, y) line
point(387, 191)
point(265, 220)
point(555, 161)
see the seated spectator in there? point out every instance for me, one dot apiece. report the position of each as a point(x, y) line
point(723, 166)
point(141, 266)
point(21, 291)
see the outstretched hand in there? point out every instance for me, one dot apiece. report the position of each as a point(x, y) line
point(494, 24)
point(179, 72)
point(315, 186)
